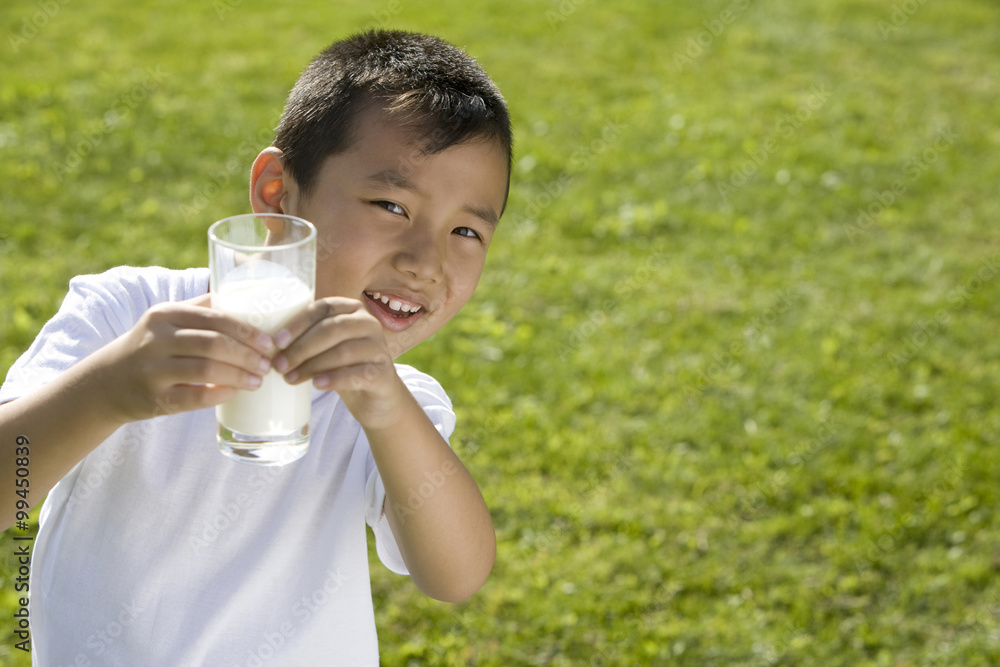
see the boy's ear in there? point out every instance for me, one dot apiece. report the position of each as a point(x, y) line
point(272, 189)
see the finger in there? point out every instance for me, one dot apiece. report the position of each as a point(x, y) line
point(209, 344)
point(351, 378)
point(238, 331)
point(183, 397)
point(199, 370)
point(327, 334)
point(355, 352)
point(317, 311)
point(186, 316)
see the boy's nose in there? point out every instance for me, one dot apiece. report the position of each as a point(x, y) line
point(420, 255)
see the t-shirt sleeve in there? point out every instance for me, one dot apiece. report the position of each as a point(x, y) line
point(97, 309)
point(437, 405)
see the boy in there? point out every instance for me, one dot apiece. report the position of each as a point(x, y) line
point(155, 549)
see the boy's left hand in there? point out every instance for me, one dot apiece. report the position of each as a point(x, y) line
point(341, 347)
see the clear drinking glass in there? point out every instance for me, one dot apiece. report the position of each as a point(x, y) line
point(263, 273)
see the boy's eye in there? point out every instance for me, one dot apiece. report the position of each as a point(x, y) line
point(392, 207)
point(467, 231)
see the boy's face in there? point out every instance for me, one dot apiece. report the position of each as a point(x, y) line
point(403, 232)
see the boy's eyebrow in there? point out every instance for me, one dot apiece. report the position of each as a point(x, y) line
point(486, 214)
point(394, 179)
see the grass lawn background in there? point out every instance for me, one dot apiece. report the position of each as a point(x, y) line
point(729, 384)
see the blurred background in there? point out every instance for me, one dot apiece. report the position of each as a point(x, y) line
point(730, 381)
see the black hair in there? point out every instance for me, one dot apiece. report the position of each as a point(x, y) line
point(421, 82)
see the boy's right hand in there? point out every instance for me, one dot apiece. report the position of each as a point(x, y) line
point(183, 356)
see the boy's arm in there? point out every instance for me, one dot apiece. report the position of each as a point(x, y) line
point(448, 543)
point(61, 423)
point(179, 356)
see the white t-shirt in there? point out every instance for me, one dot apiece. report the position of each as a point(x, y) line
point(156, 550)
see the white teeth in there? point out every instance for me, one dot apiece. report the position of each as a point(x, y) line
point(393, 304)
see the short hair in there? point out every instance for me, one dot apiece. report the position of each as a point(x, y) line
point(422, 82)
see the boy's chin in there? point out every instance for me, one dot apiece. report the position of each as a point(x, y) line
point(404, 341)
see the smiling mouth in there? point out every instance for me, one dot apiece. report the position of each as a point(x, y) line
point(393, 305)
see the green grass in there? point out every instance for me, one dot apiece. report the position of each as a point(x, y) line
point(718, 416)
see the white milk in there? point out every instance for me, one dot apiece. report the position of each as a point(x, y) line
point(276, 407)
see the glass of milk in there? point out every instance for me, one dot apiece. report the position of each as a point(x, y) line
point(263, 272)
